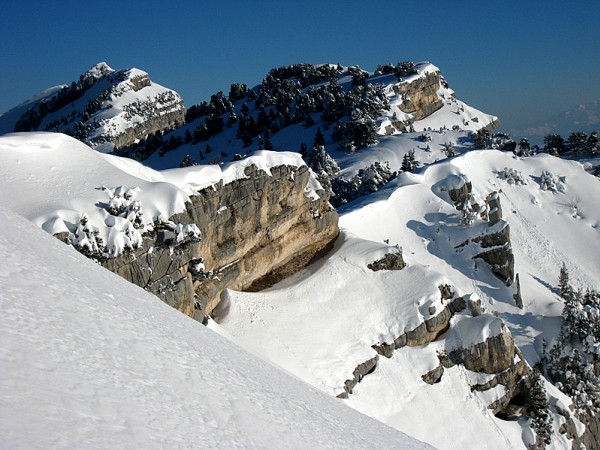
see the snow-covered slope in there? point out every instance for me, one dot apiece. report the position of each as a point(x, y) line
point(455, 118)
point(322, 322)
point(53, 180)
point(89, 361)
point(104, 108)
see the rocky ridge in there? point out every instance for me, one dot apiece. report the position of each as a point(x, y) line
point(104, 108)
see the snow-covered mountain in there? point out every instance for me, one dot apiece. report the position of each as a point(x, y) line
point(428, 313)
point(104, 108)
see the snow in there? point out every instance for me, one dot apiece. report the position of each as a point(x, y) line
point(10, 117)
point(358, 308)
point(470, 332)
point(317, 325)
point(90, 361)
point(54, 180)
point(338, 301)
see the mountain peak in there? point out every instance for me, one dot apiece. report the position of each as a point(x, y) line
point(100, 69)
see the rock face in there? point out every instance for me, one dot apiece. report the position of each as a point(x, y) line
point(492, 352)
point(493, 243)
point(254, 231)
point(420, 96)
point(390, 261)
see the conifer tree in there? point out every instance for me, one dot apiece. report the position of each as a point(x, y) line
point(539, 414)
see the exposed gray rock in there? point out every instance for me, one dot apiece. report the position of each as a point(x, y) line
point(517, 295)
point(255, 231)
point(420, 96)
point(433, 376)
point(494, 208)
point(358, 374)
point(497, 251)
point(390, 261)
point(427, 331)
point(461, 193)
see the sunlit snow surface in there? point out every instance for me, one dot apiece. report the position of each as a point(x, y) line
point(83, 351)
point(88, 360)
point(321, 323)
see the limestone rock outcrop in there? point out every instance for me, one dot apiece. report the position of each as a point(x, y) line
point(495, 242)
point(421, 95)
point(254, 231)
point(484, 345)
point(492, 241)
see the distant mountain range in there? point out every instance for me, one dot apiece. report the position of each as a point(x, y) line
point(585, 117)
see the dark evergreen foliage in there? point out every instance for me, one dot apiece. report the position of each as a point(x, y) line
point(187, 161)
point(481, 138)
point(409, 163)
point(538, 411)
point(366, 181)
point(574, 360)
point(554, 144)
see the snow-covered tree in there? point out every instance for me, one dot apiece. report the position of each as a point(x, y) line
point(554, 144)
point(524, 147)
point(551, 182)
point(577, 142)
point(574, 360)
point(538, 411)
point(481, 138)
point(366, 181)
point(323, 165)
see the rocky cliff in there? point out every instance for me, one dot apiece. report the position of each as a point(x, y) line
point(254, 231)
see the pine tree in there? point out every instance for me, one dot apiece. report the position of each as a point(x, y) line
point(323, 165)
point(406, 166)
point(539, 414)
point(303, 150)
point(187, 161)
point(524, 147)
point(563, 281)
point(409, 162)
point(319, 139)
point(267, 144)
point(481, 138)
point(554, 144)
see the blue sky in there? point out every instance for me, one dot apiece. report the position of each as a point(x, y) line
point(521, 60)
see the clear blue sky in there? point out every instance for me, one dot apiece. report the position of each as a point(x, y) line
point(520, 60)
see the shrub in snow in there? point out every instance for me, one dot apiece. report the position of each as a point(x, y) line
point(551, 182)
point(198, 270)
point(86, 238)
point(323, 165)
point(448, 149)
point(425, 137)
point(123, 205)
point(187, 161)
point(481, 138)
point(409, 162)
point(171, 233)
point(512, 176)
